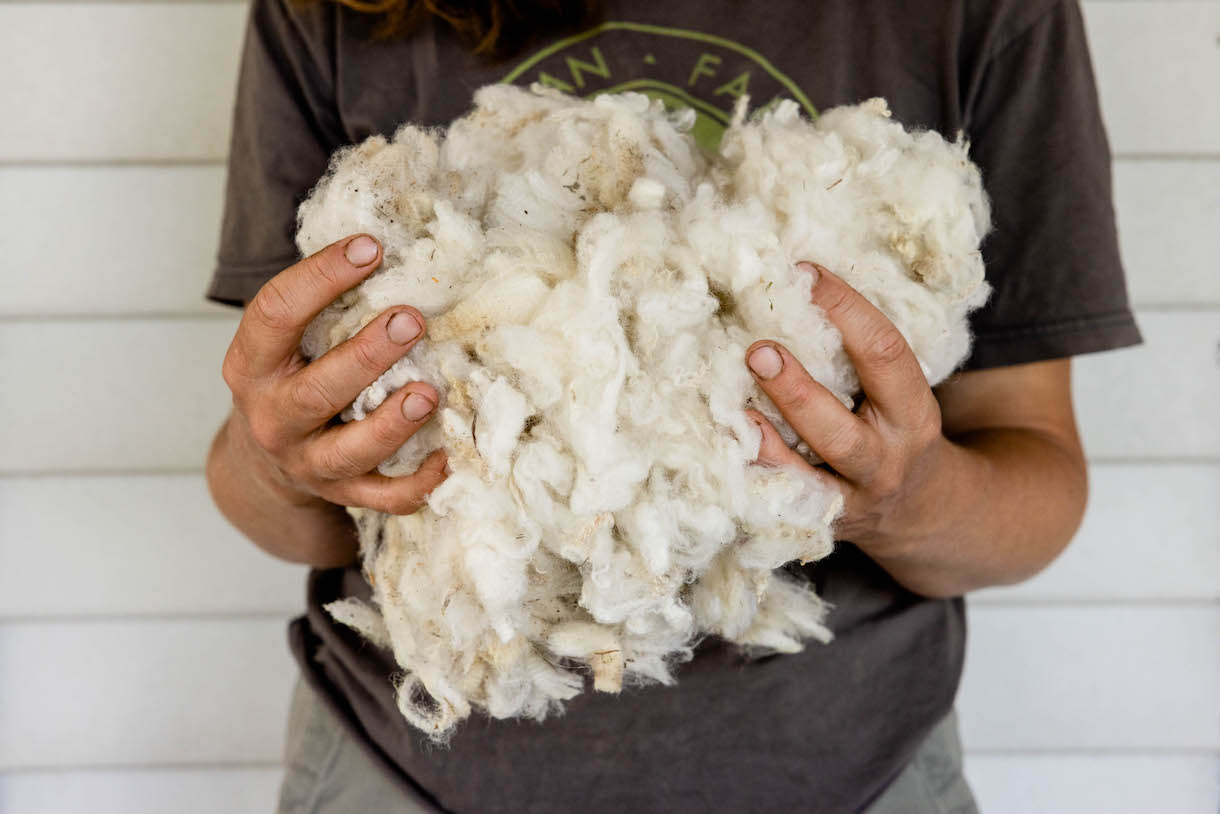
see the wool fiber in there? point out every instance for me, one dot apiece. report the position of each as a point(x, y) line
point(591, 281)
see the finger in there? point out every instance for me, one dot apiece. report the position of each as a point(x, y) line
point(835, 433)
point(890, 374)
point(273, 323)
point(401, 495)
point(774, 452)
point(357, 447)
point(321, 389)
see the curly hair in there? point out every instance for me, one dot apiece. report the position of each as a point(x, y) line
point(494, 29)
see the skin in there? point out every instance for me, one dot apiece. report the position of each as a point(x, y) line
point(980, 482)
point(278, 468)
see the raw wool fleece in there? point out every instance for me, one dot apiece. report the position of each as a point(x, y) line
point(591, 281)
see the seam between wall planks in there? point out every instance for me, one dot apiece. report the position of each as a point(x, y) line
point(107, 473)
point(156, 2)
point(1156, 751)
point(1088, 602)
point(220, 313)
point(86, 619)
point(58, 163)
point(202, 766)
point(143, 617)
point(19, 474)
point(1152, 460)
point(123, 163)
point(210, 311)
point(230, 2)
point(1135, 157)
point(101, 768)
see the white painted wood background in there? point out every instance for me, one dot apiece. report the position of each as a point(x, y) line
point(1094, 687)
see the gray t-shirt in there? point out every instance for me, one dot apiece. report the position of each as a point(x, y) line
point(824, 730)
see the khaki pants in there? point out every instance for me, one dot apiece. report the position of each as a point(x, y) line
point(326, 772)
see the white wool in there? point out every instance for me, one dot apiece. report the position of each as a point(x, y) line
point(591, 281)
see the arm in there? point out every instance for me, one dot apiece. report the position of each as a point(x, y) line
point(289, 525)
point(277, 469)
point(1012, 434)
point(983, 483)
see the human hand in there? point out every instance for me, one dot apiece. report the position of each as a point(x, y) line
point(887, 456)
point(282, 404)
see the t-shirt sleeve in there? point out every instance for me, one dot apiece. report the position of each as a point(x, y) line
point(285, 126)
point(1036, 132)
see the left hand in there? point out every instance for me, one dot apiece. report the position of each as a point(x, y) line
point(887, 456)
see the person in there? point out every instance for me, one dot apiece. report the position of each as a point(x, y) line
point(980, 482)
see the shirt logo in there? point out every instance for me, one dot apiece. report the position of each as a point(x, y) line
point(681, 67)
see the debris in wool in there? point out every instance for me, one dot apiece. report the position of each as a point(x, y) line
point(591, 280)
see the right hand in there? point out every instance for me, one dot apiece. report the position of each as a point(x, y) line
point(282, 404)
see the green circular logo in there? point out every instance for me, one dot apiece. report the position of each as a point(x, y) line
point(682, 68)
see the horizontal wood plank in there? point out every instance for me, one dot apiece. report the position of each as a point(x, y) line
point(145, 394)
point(1098, 677)
point(143, 692)
point(1167, 212)
point(123, 240)
point(111, 394)
point(1110, 783)
point(179, 692)
point(1156, 400)
point(144, 238)
point(149, 791)
point(119, 82)
point(1151, 532)
point(132, 544)
point(1155, 65)
point(87, 93)
point(114, 553)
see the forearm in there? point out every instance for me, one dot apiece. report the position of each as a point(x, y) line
point(293, 527)
point(1007, 503)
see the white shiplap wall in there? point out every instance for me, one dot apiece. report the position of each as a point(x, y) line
point(1093, 687)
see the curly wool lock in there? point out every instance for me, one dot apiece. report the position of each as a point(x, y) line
point(591, 281)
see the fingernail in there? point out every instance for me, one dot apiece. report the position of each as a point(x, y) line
point(415, 407)
point(361, 251)
point(766, 362)
point(402, 328)
point(812, 269)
